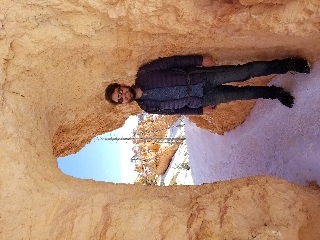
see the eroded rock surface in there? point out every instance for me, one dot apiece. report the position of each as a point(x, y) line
point(56, 59)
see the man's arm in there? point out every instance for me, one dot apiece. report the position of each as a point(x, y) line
point(173, 62)
point(208, 61)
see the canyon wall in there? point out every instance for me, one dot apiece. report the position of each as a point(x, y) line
point(57, 56)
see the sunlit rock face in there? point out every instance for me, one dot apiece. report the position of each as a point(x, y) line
point(56, 59)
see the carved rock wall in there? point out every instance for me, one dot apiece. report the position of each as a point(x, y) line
point(57, 57)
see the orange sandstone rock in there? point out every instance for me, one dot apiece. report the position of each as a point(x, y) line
point(56, 59)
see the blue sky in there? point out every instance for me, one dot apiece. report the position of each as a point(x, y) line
point(103, 160)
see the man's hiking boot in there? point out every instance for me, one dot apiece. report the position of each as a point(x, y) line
point(298, 65)
point(283, 96)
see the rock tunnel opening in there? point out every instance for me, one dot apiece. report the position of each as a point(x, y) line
point(262, 145)
point(147, 149)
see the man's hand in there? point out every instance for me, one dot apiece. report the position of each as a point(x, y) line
point(209, 109)
point(208, 61)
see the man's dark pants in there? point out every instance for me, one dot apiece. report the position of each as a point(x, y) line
point(215, 93)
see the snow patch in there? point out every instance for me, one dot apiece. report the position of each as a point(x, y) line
point(274, 140)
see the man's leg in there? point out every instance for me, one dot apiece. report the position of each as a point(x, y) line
point(225, 74)
point(227, 93)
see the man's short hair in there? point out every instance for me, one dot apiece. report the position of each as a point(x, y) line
point(110, 90)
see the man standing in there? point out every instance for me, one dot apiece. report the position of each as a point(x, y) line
point(193, 85)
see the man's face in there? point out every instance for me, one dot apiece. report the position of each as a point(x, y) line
point(123, 94)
